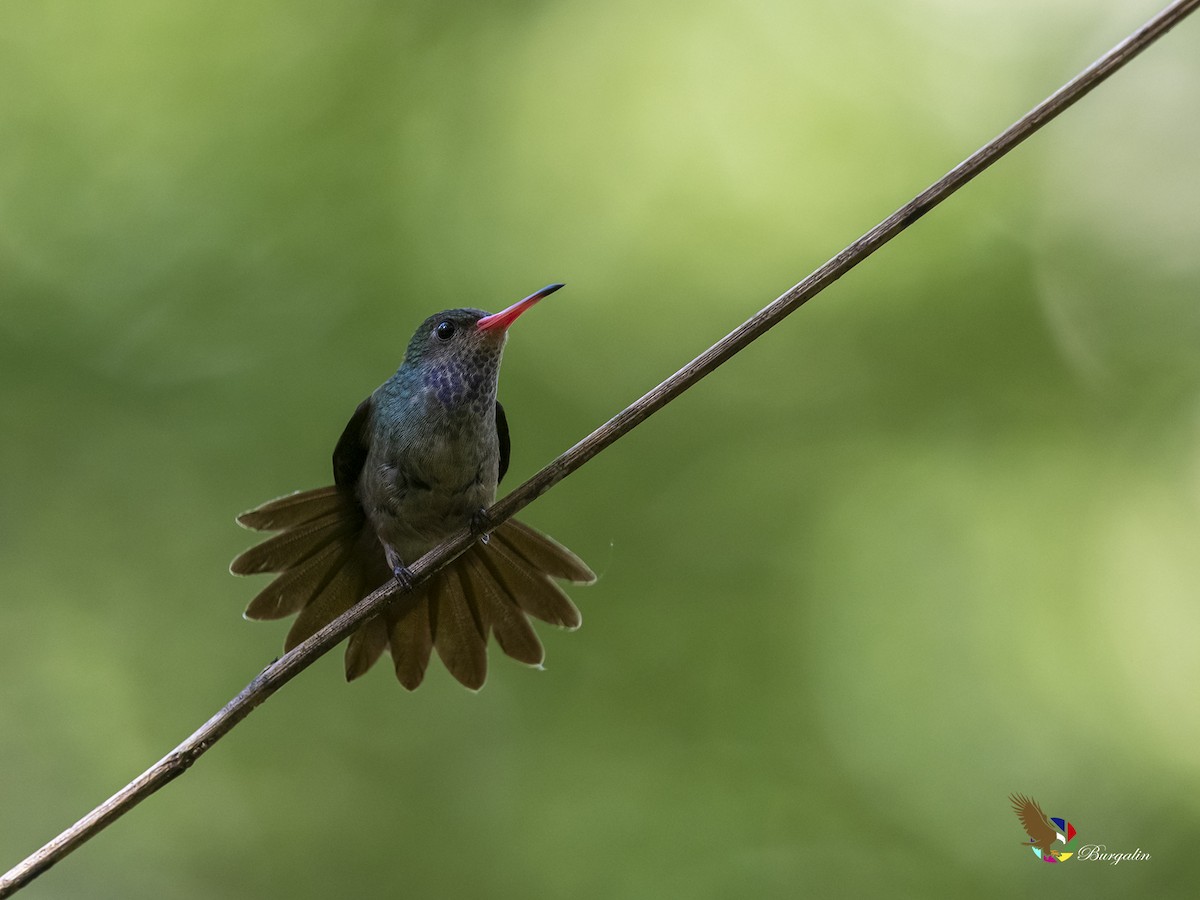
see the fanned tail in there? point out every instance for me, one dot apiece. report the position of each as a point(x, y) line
point(328, 558)
point(493, 588)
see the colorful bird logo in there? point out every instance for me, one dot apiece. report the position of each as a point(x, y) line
point(1043, 832)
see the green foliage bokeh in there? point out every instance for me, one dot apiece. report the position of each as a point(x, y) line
point(931, 541)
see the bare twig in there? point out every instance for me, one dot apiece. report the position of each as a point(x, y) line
point(291, 664)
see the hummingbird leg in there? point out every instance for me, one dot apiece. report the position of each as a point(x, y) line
point(481, 524)
point(399, 570)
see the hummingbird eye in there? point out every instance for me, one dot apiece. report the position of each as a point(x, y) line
point(445, 330)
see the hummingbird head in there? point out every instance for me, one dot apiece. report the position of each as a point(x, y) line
point(456, 353)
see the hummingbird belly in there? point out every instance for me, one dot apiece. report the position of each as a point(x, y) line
point(415, 507)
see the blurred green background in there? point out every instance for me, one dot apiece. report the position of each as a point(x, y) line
point(931, 541)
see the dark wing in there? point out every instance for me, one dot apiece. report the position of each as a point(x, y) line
point(1034, 821)
point(505, 444)
point(350, 454)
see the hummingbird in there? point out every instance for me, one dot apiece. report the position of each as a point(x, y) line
point(420, 459)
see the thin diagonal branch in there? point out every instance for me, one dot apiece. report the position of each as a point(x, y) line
point(293, 663)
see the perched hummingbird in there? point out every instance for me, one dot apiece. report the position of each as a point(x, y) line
point(419, 459)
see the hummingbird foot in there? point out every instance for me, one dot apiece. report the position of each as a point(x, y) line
point(481, 524)
point(400, 571)
point(403, 575)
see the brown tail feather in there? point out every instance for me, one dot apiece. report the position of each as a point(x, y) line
point(346, 585)
point(508, 621)
point(295, 509)
point(291, 591)
point(459, 635)
point(328, 559)
point(410, 635)
point(366, 646)
point(543, 553)
point(292, 547)
point(533, 590)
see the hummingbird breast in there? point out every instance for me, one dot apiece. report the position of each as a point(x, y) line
point(430, 467)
